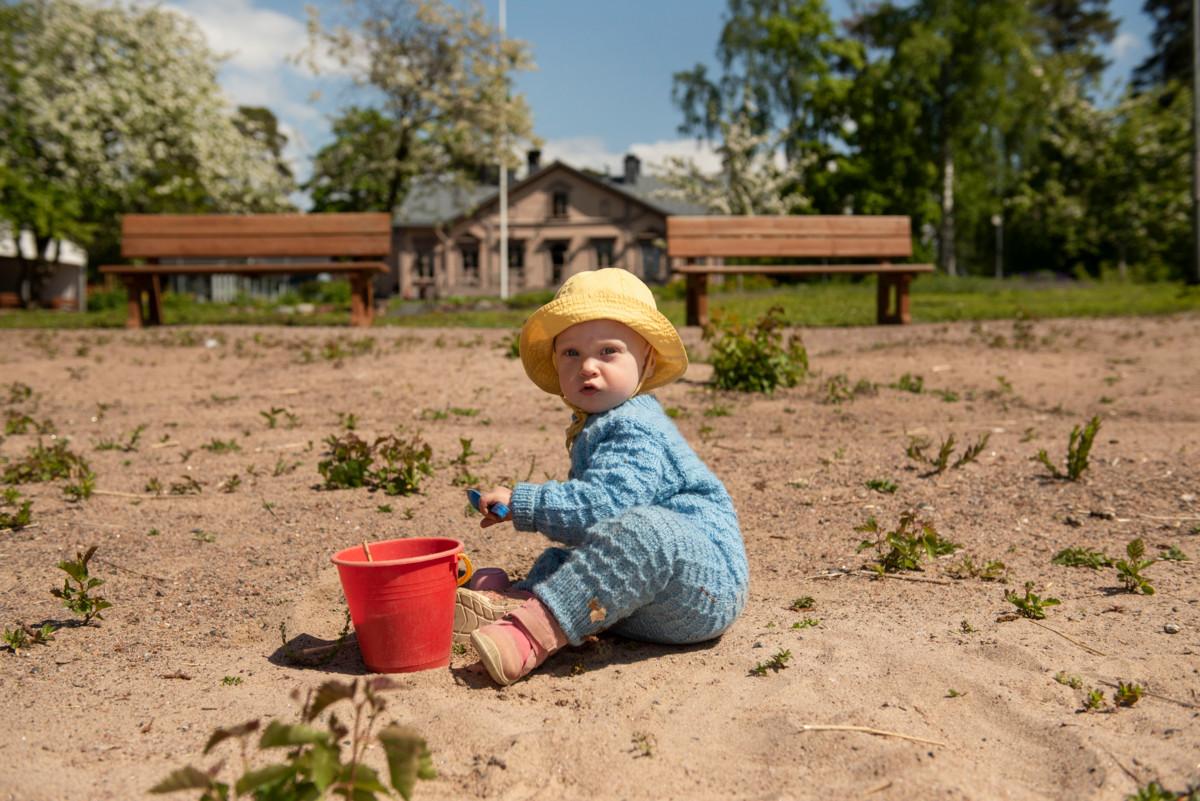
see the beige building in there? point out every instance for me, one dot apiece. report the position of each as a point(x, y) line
point(560, 221)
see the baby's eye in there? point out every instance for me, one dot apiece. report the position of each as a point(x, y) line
point(569, 352)
point(609, 350)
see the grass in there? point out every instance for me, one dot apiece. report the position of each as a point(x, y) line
point(830, 302)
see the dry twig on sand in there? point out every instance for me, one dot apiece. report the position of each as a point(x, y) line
point(867, 730)
point(1084, 646)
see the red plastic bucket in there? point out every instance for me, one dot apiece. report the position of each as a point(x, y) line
point(402, 600)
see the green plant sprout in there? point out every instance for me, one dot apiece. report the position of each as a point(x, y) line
point(776, 663)
point(22, 637)
point(231, 681)
point(1127, 694)
point(511, 345)
point(754, 357)
point(1130, 570)
point(271, 417)
point(41, 463)
point(917, 447)
point(882, 485)
point(348, 420)
point(221, 446)
point(991, 570)
point(1081, 557)
point(953, 693)
point(313, 766)
point(23, 516)
point(1032, 605)
point(186, 486)
point(1094, 700)
point(464, 476)
point(1064, 678)
point(905, 546)
point(802, 603)
point(806, 623)
point(283, 467)
point(1156, 792)
point(76, 590)
point(128, 446)
point(839, 390)
point(1078, 448)
point(230, 484)
point(910, 383)
point(1173, 554)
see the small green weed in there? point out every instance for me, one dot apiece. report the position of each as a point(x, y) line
point(802, 603)
point(917, 447)
point(42, 463)
point(1127, 694)
point(910, 383)
point(1074, 682)
point(313, 764)
point(1156, 792)
point(511, 345)
point(77, 587)
point(1032, 605)
point(231, 681)
point(128, 446)
point(348, 420)
point(806, 623)
point(776, 663)
point(883, 485)
point(272, 415)
point(1081, 557)
point(231, 484)
point(1079, 447)
point(22, 637)
point(1172, 553)
point(1130, 570)
point(717, 410)
point(351, 462)
point(1094, 700)
point(283, 467)
point(222, 446)
point(838, 389)
point(905, 546)
point(991, 570)
point(23, 516)
point(186, 485)
point(755, 358)
point(953, 693)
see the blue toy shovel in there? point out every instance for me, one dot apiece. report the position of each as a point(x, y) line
point(498, 509)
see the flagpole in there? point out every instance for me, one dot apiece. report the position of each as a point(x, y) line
point(503, 167)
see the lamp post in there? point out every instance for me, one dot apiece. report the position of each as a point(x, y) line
point(503, 169)
point(1195, 276)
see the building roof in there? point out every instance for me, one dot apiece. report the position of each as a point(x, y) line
point(431, 204)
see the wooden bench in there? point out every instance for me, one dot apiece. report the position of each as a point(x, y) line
point(355, 244)
point(881, 238)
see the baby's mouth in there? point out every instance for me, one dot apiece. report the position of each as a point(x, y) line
point(588, 389)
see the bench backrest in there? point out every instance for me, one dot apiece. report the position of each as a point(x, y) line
point(351, 234)
point(797, 236)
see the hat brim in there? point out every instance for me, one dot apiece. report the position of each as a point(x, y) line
point(537, 336)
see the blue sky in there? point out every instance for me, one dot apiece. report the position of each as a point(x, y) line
point(603, 84)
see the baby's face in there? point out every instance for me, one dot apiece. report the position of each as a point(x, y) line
point(599, 364)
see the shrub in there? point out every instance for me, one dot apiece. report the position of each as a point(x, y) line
point(754, 358)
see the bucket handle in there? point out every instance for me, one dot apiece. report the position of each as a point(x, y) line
point(470, 571)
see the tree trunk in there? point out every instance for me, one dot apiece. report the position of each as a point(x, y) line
point(946, 258)
point(396, 184)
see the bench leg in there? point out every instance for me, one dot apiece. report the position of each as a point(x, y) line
point(133, 301)
point(154, 290)
point(362, 300)
point(891, 308)
point(697, 299)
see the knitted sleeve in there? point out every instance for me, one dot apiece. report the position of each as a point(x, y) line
point(628, 467)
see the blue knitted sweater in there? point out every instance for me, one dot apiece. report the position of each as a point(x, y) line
point(633, 457)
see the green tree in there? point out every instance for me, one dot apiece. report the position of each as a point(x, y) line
point(441, 102)
point(260, 125)
point(1171, 60)
point(106, 109)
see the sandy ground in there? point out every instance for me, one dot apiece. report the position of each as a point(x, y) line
point(202, 584)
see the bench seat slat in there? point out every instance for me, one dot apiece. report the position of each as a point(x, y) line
point(788, 226)
point(254, 269)
point(254, 225)
point(799, 269)
point(816, 247)
point(215, 247)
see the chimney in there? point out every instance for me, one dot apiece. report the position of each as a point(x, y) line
point(533, 159)
point(633, 166)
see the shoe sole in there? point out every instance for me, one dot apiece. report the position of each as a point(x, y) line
point(489, 655)
point(472, 610)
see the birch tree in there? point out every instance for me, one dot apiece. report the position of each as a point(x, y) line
point(436, 98)
point(106, 109)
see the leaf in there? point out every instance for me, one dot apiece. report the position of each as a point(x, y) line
point(324, 766)
point(329, 693)
point(282, 735)
point(233, 731)
point(254, 779)
point(1135, 549)
point(186, 778)
point(407, 754)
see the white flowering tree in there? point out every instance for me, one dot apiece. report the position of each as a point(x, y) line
point(106, 109)
point(753, 178)
point(436, 101)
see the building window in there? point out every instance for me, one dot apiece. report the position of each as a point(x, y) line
point(423, 262)
point(559, 203)
point(652, 263)
point(470, 263)
point(558, 260)
point(604, 252)
point(516, 261)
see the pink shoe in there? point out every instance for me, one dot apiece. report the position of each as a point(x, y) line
point(477, 607)
point(513, 646)
point(489, 578)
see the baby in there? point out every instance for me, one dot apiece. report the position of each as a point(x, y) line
point(653, 549)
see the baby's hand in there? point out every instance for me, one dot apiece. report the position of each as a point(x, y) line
point(490, 498)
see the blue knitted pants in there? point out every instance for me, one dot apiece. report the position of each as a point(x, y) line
point(647, 574)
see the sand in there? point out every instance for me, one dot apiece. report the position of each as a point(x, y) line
point(205, 586)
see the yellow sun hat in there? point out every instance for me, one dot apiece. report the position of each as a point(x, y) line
point(611, 293)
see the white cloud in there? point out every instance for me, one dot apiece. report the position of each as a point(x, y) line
point(256, 39)
point(1125, 46)
point(591, 152)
